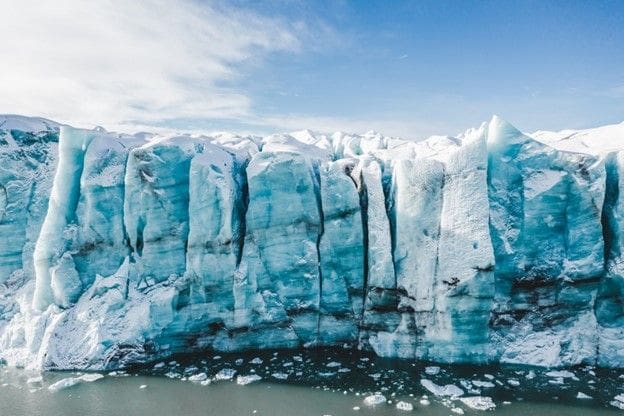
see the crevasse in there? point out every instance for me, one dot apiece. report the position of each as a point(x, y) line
point(492, 246)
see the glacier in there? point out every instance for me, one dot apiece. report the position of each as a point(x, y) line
point(494, 246)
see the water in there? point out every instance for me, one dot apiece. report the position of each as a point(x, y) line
point(308, 383)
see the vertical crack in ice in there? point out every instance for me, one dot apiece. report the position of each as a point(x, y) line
point(364, 212)
point(608, 219)
point(317, 192)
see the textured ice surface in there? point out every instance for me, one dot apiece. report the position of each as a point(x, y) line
point(492, 246)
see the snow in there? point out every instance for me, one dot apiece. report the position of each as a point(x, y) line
point(592, 141)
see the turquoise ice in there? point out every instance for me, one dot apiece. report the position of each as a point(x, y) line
point(492, 246)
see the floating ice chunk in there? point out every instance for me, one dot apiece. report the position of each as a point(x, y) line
point(582, 396)
point(617, 403)
point(457, 410)
point(34, 380)
point(408, 407)
point(333, 364)
point(225, 374)
point(478, 402)
point(143, 386)
point(432, 370)
point(197, 378)
point(513, 382)
point(448, 390)
point(561, 374)
point(280, 376)
point(72, 381)
point(483, 384)
point(244, 380)
point(374, 399)
point(88, 378)
point(64, 383)
point(256, 361)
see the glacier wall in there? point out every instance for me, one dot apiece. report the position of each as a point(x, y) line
point(492, 246)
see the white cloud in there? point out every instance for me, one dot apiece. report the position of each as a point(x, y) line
point(120, 62)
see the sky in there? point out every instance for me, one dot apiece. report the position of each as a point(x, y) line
point(404, 68)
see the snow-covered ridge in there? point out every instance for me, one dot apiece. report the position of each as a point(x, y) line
point(490, 246)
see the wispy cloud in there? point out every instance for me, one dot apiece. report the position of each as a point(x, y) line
point(119, 62)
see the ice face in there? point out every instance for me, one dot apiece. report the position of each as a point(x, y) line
point(490, 246)
point(341, 251)
point(546, 227)
point(28, 154)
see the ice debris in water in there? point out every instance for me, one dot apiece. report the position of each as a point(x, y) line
point(280, 376)
point(478, 402)
point(561, 374)
point(432, 370)
point(225, 374)
point(401, 405)
point(244, 380)
point(72, 381)
point(374, 399)
point(256, 361)
point(582, 396)
point(64, 383)
point(34, 380)
point(483, 384)
point(449, 390)
point(197, 378)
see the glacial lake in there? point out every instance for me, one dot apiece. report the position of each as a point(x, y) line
point(315, 383)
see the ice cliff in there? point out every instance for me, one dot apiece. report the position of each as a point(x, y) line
point(493, 246)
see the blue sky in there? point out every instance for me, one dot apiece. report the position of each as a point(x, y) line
point(410, 68)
